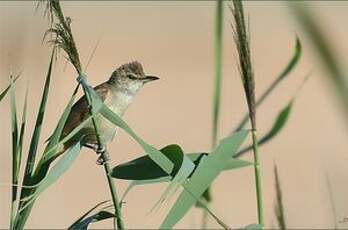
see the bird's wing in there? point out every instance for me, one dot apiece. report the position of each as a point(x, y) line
point(80, 111)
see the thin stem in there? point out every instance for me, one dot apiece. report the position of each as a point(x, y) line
point(112, 187)
point(257, 177)
point(205, 219)
point(218, 43)
point(118, 216)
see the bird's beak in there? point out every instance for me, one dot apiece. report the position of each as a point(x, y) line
point(150, 78)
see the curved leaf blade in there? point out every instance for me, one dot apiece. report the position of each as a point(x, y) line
point(55, 173)
point(38, 126)
point(144, 168)
point(208, 169)
point(77, 223)
point(3, 94)
point(101, 215)
point(278, 125)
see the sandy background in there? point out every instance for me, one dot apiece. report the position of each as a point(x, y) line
point(174, 40)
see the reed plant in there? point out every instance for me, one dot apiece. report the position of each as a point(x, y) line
point(192, 172)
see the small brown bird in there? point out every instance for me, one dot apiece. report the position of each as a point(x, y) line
point(117, 93)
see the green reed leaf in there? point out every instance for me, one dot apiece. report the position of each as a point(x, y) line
point(278, 125)
point(143, 168)
point(81, 221)
point(209, 168)
point(144, 182)
point(3, 94)
point(15, 161)
point(38, 126)
point(19, 149)
point(22, 131)
point(99, 216)
point(186, 168)
point(55, 138)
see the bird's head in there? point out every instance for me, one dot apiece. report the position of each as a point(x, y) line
point(130, 77)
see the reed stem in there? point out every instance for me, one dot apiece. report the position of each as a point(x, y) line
point(112, 187)
point(257, 177)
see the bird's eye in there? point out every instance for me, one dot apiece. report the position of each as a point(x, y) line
point(130, 76)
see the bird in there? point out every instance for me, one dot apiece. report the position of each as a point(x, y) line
point(117, 93)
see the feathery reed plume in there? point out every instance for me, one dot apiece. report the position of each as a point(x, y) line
point(61, 30)
point(242, 42)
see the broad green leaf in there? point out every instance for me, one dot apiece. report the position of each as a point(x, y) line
point(3, 94)
point(134, 170)
point(99, 216)
point(143, 168)
point(278, 125)
point(78, 222)
point(286, 71)
point(55, 172)
point(208, 169)
point(184, 172)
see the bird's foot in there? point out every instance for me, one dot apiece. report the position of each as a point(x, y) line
point(102, 159)
point(103, 155)
point(100, 149)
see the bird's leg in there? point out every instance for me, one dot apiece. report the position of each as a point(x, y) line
point(103, 155)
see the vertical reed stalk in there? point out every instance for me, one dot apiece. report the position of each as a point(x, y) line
point(257, 177)
point(65, 40)
point(217, 88)
point(242, 41)
point(112, 187)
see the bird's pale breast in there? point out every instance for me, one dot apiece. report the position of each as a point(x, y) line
point(118, 103)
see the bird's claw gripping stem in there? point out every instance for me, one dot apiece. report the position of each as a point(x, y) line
point(101, 151)
point(103, 155)
point(102, 159)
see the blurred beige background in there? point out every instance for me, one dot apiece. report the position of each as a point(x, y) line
point(174, 40)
